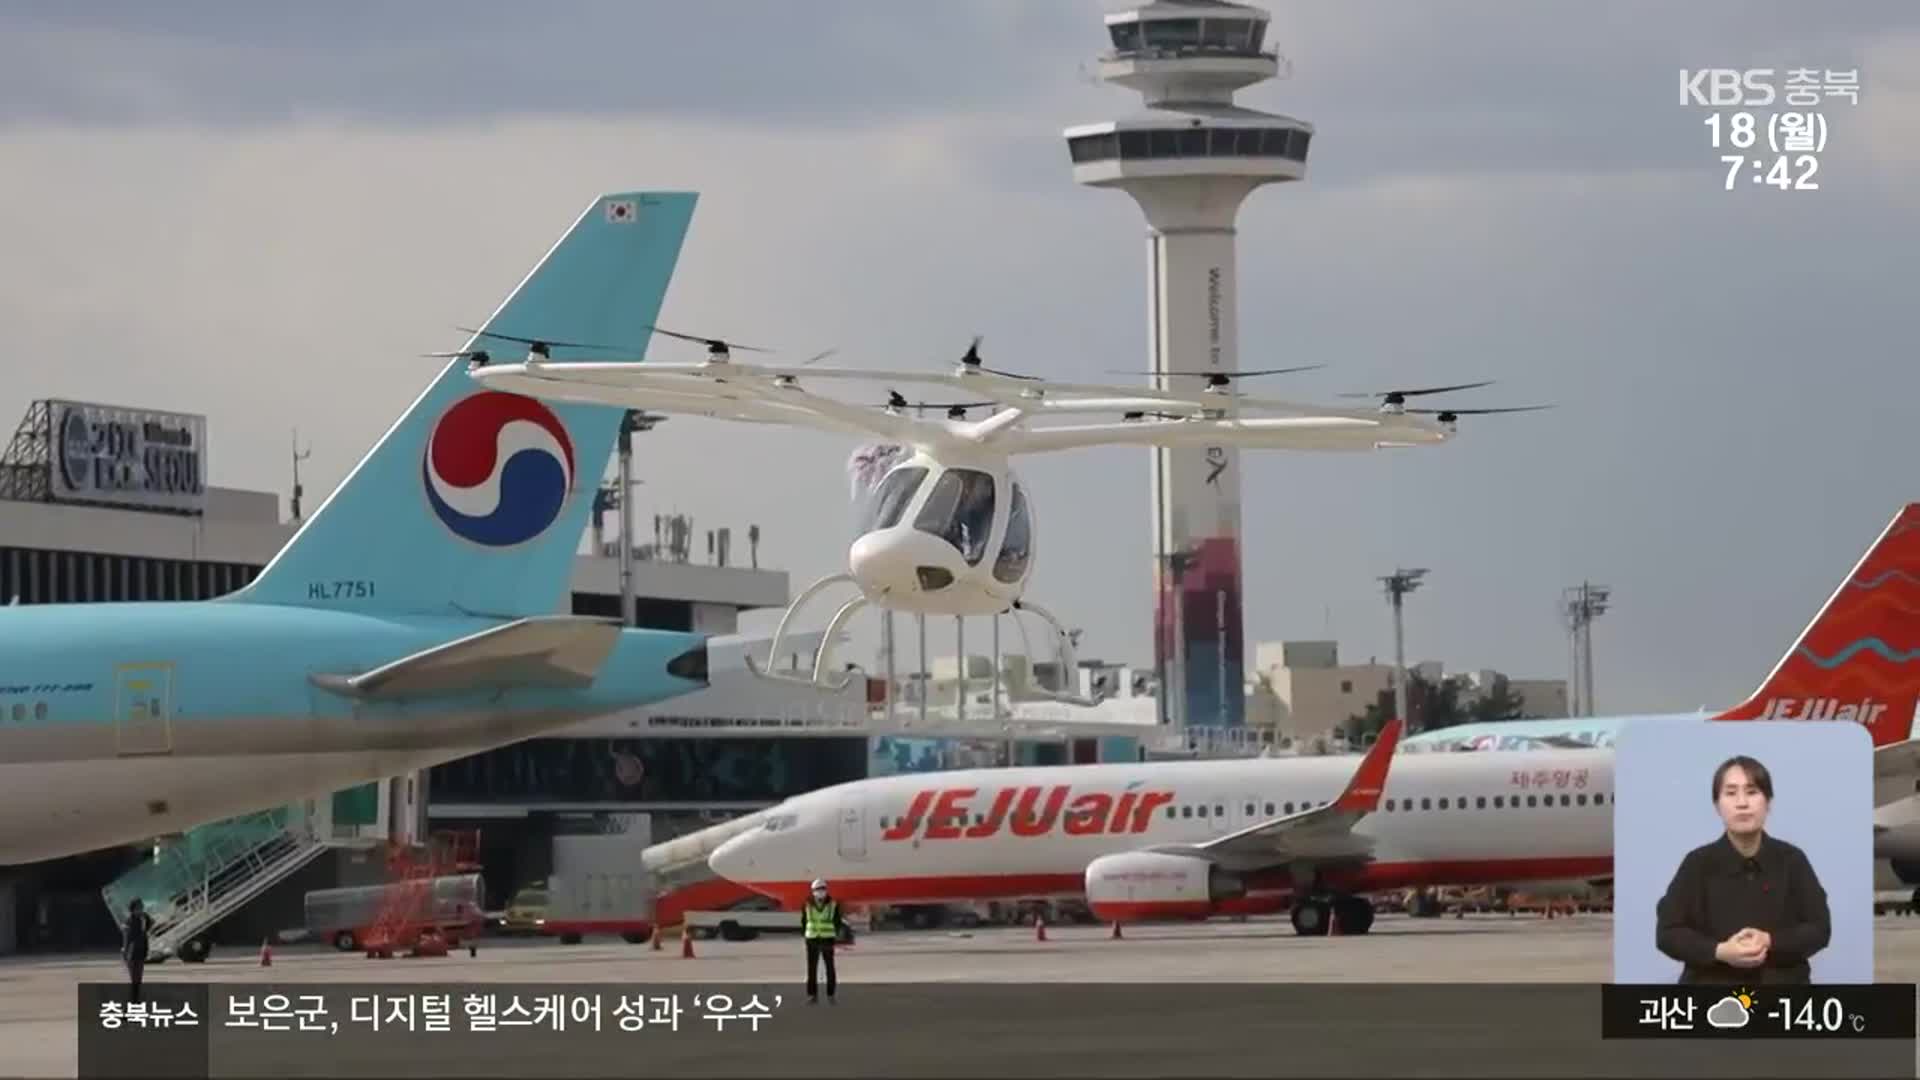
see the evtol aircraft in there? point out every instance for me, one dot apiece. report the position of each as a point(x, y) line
point(948, 529)
point(1310, 834)
point(412, 620)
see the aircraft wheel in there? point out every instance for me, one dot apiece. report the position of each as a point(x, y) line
point(196, 951)
point(1310, 918)
point(1355, 913)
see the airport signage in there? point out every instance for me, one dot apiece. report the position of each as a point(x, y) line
point(105, 455)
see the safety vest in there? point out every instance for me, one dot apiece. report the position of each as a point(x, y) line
point(822, 919)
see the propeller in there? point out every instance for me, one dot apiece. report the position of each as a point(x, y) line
point(1399, 397)
point(537, 346)
point(1448, 416)
point(1218, 379)
point(971, 362)
point(717, 348)
point(955, 409)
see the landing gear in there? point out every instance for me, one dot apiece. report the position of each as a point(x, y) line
point(1063, 655)
point(195, 950)
point(1314, 915)
point(823, 657)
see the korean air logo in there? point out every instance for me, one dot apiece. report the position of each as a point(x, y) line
point(498, 468)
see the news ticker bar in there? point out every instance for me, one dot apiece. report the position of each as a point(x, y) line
point(472, 1030)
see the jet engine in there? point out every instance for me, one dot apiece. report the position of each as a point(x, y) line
point(1152, 884)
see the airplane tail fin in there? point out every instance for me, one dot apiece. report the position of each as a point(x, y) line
point(1859, 660)
point(475, 500)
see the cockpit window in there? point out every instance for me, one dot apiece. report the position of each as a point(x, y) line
point(778, 822)
point(960, 511)
point(1017, 548)
point(891, 497)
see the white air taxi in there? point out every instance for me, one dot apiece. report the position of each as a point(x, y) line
point(948, 529)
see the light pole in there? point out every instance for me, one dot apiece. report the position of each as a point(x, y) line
point(1399, 584)
point(1582, 604)
point(630, 423)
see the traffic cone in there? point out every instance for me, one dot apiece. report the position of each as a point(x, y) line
point(1116, 929)
point(686, 943)
point(1333, 921)
point(266, 953)
point(1039, 927)
point(657, 934)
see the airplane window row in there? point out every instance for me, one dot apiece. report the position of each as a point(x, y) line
point(1275, 809)
point(20, 711)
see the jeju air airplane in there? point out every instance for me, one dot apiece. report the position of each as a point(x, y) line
point(1309, 834)
point(411, 620)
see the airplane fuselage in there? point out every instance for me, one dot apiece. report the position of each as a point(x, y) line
point(119, 722)
point(1032, 832)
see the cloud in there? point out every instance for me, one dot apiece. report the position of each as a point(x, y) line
point(1727, 1013)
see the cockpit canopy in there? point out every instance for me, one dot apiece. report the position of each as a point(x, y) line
point(959, 507)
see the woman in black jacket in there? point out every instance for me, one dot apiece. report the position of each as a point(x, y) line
point(1747, 907)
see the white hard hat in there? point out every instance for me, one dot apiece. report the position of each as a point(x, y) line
point(820, 883)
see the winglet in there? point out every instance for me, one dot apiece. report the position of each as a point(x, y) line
point(1370, 779)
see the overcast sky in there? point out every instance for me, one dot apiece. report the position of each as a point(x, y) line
point(264, 213)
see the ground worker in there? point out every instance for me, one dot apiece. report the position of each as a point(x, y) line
point(822, 925)
point(133, 944)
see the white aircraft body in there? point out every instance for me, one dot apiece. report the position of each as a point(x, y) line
point(948, 528)
point(1213, 837)
point(1193, 838)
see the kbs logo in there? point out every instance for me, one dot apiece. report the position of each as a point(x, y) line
point(1721, 87)
point(1822, 709)
point(958, 813)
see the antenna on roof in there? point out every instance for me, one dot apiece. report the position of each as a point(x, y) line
point(298, 457)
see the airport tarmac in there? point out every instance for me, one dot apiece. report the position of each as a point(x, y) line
point(38, 1003)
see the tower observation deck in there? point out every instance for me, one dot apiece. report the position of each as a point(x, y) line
point(1189, 159)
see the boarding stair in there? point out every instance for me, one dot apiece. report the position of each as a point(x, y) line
point(211, 872)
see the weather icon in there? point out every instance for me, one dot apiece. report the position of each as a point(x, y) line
point(1732, 1011)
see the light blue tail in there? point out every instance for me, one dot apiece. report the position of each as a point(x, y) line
point(475, 501)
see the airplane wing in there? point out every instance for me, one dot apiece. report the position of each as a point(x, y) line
point(1023, 411)
point(547, 650)
point(1317, 834)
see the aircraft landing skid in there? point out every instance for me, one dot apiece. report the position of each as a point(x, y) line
point(824, 679)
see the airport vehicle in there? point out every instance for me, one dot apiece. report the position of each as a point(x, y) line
point(345, 916)
point(948, 529)
point(1855, 662)
point(597, 884)
point(1224, 836)
point(410, 621)
point(526, 911)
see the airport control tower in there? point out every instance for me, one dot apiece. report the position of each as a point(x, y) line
point(1189, 159)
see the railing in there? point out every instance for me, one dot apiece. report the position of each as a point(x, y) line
point(213, 870)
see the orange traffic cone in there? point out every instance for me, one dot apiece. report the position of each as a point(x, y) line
point(686, 942)
point(657, 934)
point(266, 953)
point(1116, 929)
point(1039, 927)
point(1333, 922)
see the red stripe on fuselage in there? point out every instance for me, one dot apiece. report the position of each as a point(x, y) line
point(1376, 877)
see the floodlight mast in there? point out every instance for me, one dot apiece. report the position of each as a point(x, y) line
point(1581, 604)
point(1399, 584)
